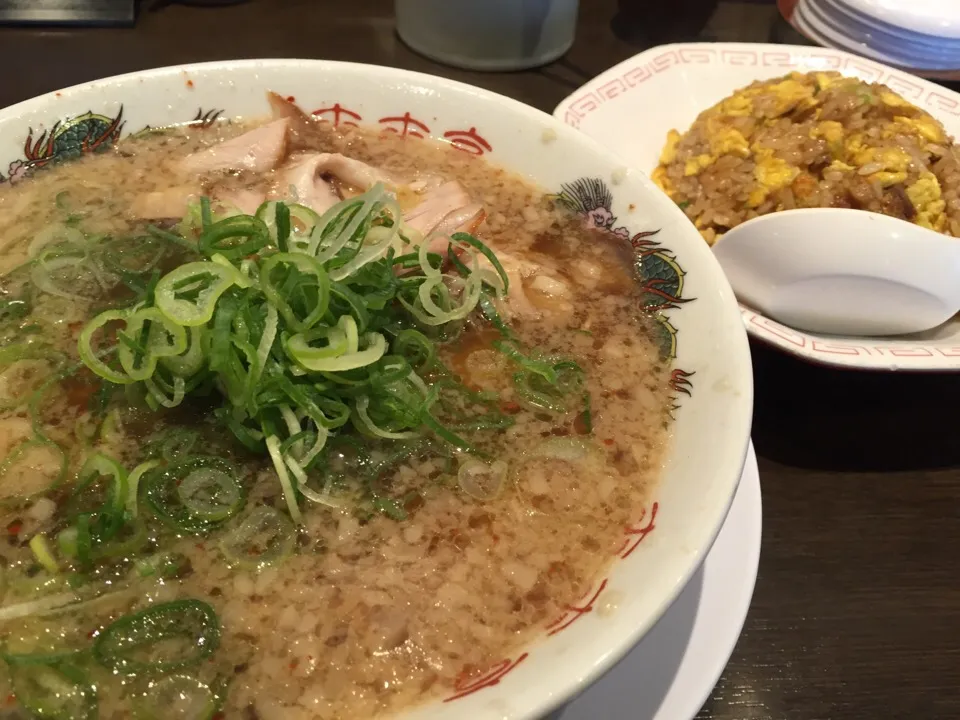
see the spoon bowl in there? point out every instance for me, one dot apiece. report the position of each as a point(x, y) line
point(843, 272)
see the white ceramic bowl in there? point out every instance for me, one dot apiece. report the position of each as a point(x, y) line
point(712, 380)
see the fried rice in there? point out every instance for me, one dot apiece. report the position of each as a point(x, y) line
point(812, 140)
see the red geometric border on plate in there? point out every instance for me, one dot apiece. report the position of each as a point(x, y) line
point(933, 99)
point(633, 536)
point(780, 333)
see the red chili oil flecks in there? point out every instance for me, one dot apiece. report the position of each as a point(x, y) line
point(14, 528)
point(190, 84)
point(293, 664)
point(291, 98)
point(11, 699)
point(609, 441)
point(509, 406)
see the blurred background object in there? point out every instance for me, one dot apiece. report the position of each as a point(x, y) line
point(921, 36)
point(68, 12)
point(641, 22)
point(200, 3)
point(488, 34)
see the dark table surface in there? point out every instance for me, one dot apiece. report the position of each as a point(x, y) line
point(857, 606)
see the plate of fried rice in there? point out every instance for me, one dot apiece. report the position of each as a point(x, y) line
point(731, 131)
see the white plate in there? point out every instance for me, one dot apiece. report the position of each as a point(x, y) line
point(631, 106)
point(847, 16)
point(792, 13)
point(670, 674)
point(930, 17)
point(809, 19)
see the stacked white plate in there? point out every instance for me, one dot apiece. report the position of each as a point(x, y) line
point(919, 35)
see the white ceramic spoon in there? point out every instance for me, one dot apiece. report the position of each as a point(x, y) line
point(843, 272)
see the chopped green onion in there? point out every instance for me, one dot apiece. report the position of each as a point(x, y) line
point(210, 497)
point(99, 512)
point(389, 507)
point(40, 606)
point(190, 361)
point(473, 242)
point(342, 351)
point(164, 565)
point(234, 237)
point(264, 536)
point(177, 696)
point(61, 692)
point(37, 642)
point(89, 356)
point(363, 403)
point(416, 347)
point(163, 338)
point(318, 288)
point(205, 282)
point(159, 639)
point(41, 551)
point(133, 485)
point(570, 449)
point(481, 481)
point(289, 494)
point(210, 493)
point(302, 323)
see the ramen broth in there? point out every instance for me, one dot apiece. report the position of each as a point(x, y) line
point(423, 564)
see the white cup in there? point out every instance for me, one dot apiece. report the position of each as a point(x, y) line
point(488, 34)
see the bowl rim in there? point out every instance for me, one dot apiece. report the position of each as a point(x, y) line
point(738, 414)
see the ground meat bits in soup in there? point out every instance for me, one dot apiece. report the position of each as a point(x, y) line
point(276, 449)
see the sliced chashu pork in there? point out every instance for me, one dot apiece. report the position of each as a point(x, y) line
point(305, 133)
point(170, 202)
point(551, 292)
point(301, 177)
point(304, 177)
point(243, 200)
point(445, 209)
point(259, 150)
point(175, 201)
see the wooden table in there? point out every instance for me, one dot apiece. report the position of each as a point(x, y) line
point(857, 607)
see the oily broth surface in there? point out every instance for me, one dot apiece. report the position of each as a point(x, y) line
point(369, 618)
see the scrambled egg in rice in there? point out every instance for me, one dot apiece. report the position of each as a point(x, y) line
point(812, 140)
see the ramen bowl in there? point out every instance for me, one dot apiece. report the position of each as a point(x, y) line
point(697, 324)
